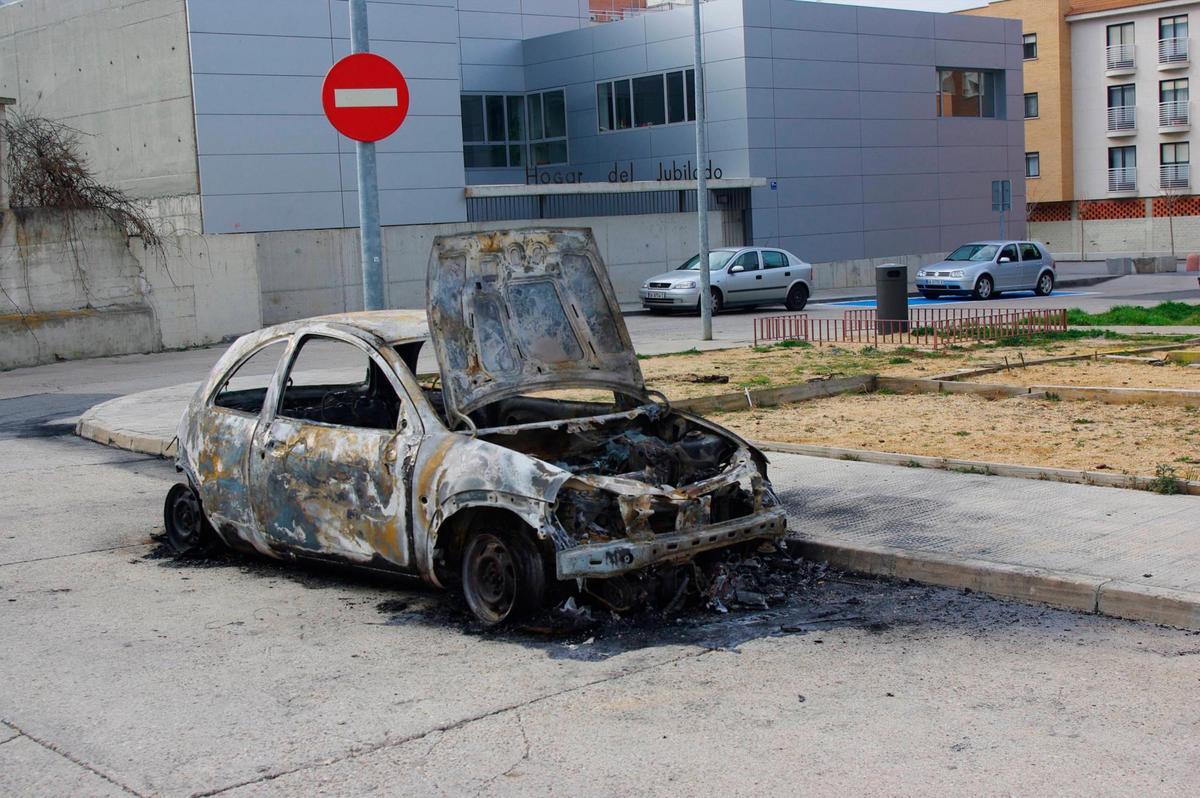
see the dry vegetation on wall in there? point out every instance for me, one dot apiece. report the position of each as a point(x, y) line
point(46, 170)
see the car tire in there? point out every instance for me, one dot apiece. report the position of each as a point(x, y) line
point(188, 530)
point(932, 294)
point(985, 288)
point(503, 576)
point(797, 297)
point(1045, 284)
point(718, 302)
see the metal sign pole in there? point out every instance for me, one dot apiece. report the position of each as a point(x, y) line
point(368, 183)
point(701, 178)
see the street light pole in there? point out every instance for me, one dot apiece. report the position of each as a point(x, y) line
point(701, 178)
point(368, 183)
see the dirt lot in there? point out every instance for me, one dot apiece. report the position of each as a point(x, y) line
point(680, 376)
point(1090, 436)
point(1106, 373)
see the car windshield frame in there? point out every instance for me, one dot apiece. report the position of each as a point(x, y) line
point(693, 263)
point(974, 253)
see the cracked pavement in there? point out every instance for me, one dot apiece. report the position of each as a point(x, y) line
point(123, 672)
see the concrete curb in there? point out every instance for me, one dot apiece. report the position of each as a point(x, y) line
point(1081, 592)
point(92, 430)
point(1096, 478)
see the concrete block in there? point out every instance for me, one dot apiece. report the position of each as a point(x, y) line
point(1119, 265)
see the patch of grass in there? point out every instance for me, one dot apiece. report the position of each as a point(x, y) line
point(885, 392)
point(791, 343)
point(962, 433)
point(692, 351)
point(1082, 421)
point(985, 471)
point(896, 361)
point(1166, 480)
point(757, 381)
point(1161, 315)
point(851, 457)
point(1034, 339)
point(913, 464)
point(1052, 397)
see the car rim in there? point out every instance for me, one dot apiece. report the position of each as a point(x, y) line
point(491, 584)
point(1045, 283)
point(985, 288)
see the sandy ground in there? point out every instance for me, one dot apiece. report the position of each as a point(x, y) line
point(1091, 436)
point(1108, 373)
point(678, 376)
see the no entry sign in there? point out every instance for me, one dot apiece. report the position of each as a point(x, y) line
point(365, 97)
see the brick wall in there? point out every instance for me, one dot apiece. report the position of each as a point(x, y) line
point(1099, 210)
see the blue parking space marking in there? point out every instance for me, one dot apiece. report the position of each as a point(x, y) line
point(958, 300)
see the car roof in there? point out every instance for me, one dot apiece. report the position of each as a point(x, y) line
point(998, 242)
point(391, 325)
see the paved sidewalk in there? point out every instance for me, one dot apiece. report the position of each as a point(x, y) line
point(1122, 553)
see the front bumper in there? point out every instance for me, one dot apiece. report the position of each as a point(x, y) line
point(944, 285)
point(669, 297)
point(622, 556)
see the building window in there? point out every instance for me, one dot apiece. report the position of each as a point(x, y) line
point(1122, 168)
point(547, 127)
point(1172, 39)
point(1173, 27)
point(1173, 91)
point(1031, 105)
point(1030, 44)
point(493, 130)
point(1120, 53)
point(1122, 108)
point(646, 101)
point(967, 92)
point(1033, 164)
point(1175, 170)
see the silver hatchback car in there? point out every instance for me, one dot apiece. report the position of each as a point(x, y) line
point(744, 276)
point(986, 268)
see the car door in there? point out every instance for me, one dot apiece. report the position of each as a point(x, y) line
point(744, 281)
point(327, 466)
point(1008, 268)
point(777, 274)
point(1031, 264)
point(228, 422)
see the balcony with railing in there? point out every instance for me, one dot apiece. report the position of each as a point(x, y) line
point(1122, 120)
point(1122, 179)
point(1120, 59)
point(1174, 176)
point(1174, 116)
point(1173, 53)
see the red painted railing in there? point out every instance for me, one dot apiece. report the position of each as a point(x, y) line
point(935, 327)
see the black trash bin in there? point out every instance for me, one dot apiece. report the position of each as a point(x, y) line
point(891, 299)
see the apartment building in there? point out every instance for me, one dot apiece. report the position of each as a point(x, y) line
point(1132, 109)
point(1046, 106)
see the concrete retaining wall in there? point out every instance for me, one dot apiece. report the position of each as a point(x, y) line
point(73, 285)
point(1118, 238)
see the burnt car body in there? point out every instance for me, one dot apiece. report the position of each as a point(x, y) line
point(479, 481)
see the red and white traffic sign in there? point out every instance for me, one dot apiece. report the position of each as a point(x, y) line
point(365, 97)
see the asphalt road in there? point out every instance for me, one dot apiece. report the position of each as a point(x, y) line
point(125, 672)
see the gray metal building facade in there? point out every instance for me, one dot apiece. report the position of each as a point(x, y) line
point(837, 106)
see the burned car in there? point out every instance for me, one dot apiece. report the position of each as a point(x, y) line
point(314, 439)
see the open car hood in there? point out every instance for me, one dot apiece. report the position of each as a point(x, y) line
point(517, 311)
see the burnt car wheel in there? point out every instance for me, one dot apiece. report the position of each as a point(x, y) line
point(503, 577)
point(188, 531)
